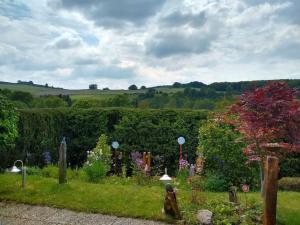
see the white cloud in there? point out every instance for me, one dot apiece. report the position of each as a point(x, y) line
point(172, 40)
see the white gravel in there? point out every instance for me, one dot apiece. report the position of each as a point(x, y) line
point(21, 214)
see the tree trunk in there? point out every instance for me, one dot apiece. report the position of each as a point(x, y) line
point(270, 195)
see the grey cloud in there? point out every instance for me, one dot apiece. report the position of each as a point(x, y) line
point(174, 43)
point(112, 13)
point(111, 72)
point(178, 19)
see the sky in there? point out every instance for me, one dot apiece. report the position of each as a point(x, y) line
point(116, 43)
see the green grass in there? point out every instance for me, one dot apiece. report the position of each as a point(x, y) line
point(79, 93)
point(121, 199)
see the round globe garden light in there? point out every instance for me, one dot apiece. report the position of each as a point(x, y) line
point(180, 141)
point(115, 145)
point(17, 170)
point(165, 178)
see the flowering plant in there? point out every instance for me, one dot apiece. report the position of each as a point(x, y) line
point(98, 160)
point(183, 164)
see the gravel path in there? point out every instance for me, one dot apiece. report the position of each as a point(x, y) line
point(21, 214)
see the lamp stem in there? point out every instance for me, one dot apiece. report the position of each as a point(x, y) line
point(23, 172)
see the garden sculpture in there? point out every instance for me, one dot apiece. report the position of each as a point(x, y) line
point(232, 194)
point(63, 162)
point(200, 164)
point(170, 205)
point(192, 170)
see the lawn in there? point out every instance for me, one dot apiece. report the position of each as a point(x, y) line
point(119, 198)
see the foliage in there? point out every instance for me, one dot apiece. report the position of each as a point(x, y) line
point(101, 152)
point(8, 123)
point(98, 161)
point(49, 102)
point(132, 87)
point(50, 171)
point(182, 175)
point(223, 154)
point(289, 184)
point(95, 171)
point(225, 213)
point(33, 171)
point(290, 165)
point(156, 131)
point(215, 182)
point(268, 117)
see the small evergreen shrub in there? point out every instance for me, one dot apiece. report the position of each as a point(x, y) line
point(289, 184)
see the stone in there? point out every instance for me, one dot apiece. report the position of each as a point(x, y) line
point(204, 217)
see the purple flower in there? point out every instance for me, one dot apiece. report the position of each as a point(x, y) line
point(47, 157)
point(183, 164)
point(136, 155)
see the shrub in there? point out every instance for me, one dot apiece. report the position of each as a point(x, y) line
point(228, 213)
point(98, 161)
point(34, 171)
point(95, 171)
point(215, 182)
point(50, 171)
point(182, 175)
point(289, 184)
point(223, 153)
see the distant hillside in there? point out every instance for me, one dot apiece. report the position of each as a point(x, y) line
point(232, 87)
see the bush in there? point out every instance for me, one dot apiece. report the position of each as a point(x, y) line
point(215, 183)
point(224, 154)
point(50, 171)
point(96, 171)
point(34, 171)
point(228, 213)
point(289, 184)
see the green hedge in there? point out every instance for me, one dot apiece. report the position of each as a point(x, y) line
point(289, 184)
point(156, 131)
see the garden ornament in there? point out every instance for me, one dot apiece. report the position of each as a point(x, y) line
point(170, 204)
point(192, 170)
point(232, 194)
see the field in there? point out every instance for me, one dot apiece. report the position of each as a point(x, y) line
point(80, 93)
point(122, 199)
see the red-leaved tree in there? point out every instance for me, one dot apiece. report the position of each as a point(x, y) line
point(269, 119)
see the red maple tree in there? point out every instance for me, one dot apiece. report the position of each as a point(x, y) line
point(269, 119)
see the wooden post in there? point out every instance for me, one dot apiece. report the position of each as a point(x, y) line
point(270, 193)
point(63, 162)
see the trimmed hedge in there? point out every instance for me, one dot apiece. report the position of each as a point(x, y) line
point(156, 131)
point(289, 184)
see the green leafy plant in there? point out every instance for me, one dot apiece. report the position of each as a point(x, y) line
point(98, 161)
point(50, 171)
point(33, 170)
point(95, 171)
point(215, 183)
point(223, 153)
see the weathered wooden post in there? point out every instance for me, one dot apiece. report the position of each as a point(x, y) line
point(63, 162)
point(270, 193)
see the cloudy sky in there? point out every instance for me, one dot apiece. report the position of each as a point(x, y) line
point(115, 43)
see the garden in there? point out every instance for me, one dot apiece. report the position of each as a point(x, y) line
point(176, 166)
